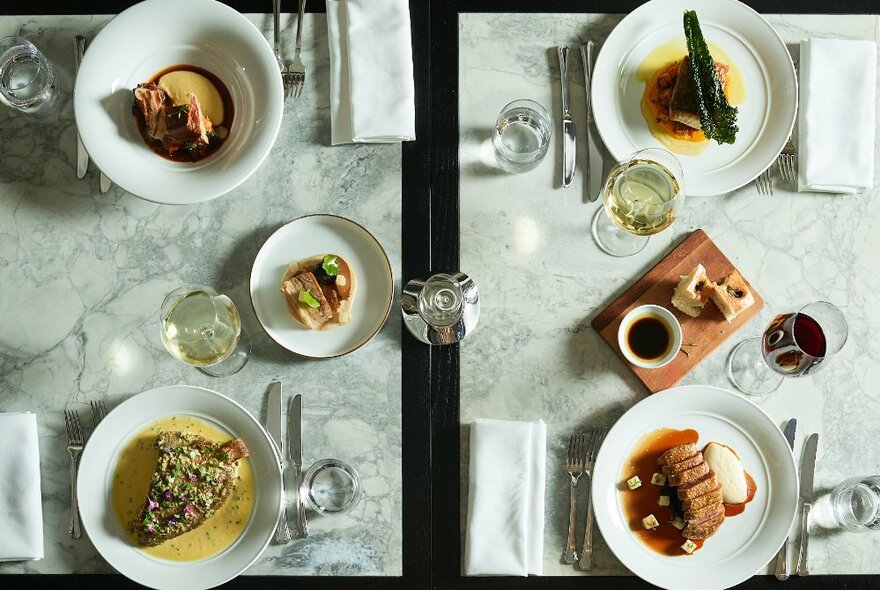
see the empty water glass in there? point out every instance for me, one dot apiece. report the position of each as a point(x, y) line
point(27, 78)
point(854, 505)
point(521, 136)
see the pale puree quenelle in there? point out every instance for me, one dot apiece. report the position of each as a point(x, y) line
point(131, 484)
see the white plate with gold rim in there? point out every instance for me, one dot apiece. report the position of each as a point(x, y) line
point(309, 236)
point(98, 467)
point(767, 112)
point(744, 543)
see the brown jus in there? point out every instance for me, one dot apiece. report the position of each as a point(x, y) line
point(648, 338)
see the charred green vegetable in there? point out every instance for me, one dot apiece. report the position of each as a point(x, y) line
point(717, 116)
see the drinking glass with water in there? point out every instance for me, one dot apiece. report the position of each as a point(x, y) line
point(521, 136)
point(854, 505)
point(27, 78)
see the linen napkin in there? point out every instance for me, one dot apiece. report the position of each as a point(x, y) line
point(372, 94)
point(505, 522)
point(836, 120)
point(21, 508)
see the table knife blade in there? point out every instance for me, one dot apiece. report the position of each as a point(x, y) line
point(105, 183)
point(595, 164)
point(569, 136)
point(808, 468)
point(82, 156)
point(294, 433)
point(782, 557)
point(273, 425)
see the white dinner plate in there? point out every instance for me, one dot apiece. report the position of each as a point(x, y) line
point(766, 116)
point(142, 41)
point(95, 484)
point(745, 543)
point(323, 234)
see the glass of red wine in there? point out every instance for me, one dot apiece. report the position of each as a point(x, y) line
point(793, 345)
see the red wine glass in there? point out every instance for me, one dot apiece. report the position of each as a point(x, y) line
point(793, 345)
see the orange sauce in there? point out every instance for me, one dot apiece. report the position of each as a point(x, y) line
point(658, 108)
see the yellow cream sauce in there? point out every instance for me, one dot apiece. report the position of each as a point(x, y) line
point(179, 84)
point(132, 480)
point(674, 51)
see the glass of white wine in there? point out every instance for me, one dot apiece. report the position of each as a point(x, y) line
point(202, 328)
point(643, 195)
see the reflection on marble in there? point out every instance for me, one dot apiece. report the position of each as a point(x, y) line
point(82, 276)
point(527, 245)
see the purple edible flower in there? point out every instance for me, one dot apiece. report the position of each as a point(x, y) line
point(188, 510)
point(167, 495)
point(192, 477)
point(171, 521)
point(183, 498)
point(150, 529)
point(167, 449)
point(151, 504)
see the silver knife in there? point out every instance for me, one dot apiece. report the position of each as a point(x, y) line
point(105, 183)
point(569, 142)
point(808, 467)
point(782, 556)
point(82, 156)
point(273, 425)
point(294, 434)
point(595, 175)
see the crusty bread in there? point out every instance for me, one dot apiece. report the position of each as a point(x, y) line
point(692, 292)
point(732, 296)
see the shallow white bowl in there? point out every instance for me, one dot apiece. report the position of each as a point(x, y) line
point(662, 314)
point(147, 38)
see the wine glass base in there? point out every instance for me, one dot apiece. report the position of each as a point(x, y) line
point(748, 371)
point(232, 364)
point(613, 240)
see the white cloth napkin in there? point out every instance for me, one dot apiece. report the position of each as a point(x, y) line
point(836, 124)
point(21, 507)
point(372, 94)
point(505, 523)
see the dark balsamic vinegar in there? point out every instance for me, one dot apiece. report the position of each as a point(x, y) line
point(649, 338)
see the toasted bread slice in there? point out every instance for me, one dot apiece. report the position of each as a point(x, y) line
point(732, 296)
point(692, 291)
point(689, 475)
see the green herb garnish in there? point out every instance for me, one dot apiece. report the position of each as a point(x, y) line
point(331, 265)
point(306, 297)
point(717, 116)
point(180, 110)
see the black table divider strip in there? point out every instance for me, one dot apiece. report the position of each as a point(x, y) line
point(430, 375)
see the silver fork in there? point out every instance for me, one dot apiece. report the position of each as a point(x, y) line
point(74, 447)
point(785, 161)
point(298, 70)
point(574, 465)
point(99, 410)
point(597, 435)
point(286, 76)
point(765, 187)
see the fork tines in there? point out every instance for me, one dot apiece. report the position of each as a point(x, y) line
point(765, 187)
point(74, 427)
point(99, 410)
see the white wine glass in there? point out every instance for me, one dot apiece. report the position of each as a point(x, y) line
point(202, 328)
point(642, 196)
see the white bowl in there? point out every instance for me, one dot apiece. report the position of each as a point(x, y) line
point(662, 314)
point(154, 35)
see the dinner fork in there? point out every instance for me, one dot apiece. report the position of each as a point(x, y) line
point(286, 76)
point(785, 161)
point(99, 410)
point(298, 70)
point(574, 466)
point(597, 435)
point(74, 447)
point(765, 187)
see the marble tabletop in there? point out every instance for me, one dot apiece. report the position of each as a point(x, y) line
point(82, 275)
point(525, 361)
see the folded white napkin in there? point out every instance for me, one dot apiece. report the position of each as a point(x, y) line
point(505, 523)
point(21, 507)
point(372, 95)
point(836, 119)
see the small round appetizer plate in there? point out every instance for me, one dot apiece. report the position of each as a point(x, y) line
point(96, 480)
point(131, 49)
point(766, 114)
point(309, 236)
point(744, 543)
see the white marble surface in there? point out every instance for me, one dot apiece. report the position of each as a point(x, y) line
point(535, 355)
point(82, 276)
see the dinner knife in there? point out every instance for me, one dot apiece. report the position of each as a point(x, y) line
point(273, 425)
point(594, 172)
point(569, 142)
point(808, 467)
point(105, 183)
point(82, 156)
point(782, 556)
point(294, 433)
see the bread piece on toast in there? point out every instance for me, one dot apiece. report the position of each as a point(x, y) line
point(692, 291)
point(732, 296)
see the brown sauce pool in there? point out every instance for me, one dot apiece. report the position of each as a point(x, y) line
point(639, 503)
point(215, 144)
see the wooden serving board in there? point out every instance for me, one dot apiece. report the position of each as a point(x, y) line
point(703, 333)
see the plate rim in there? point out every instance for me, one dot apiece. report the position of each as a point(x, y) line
point(790, 73)
point(245, 415)
point(390, 282)
point(274, 118)
point(700, 390)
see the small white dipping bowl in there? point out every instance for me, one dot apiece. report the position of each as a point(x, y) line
point(660, 313)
